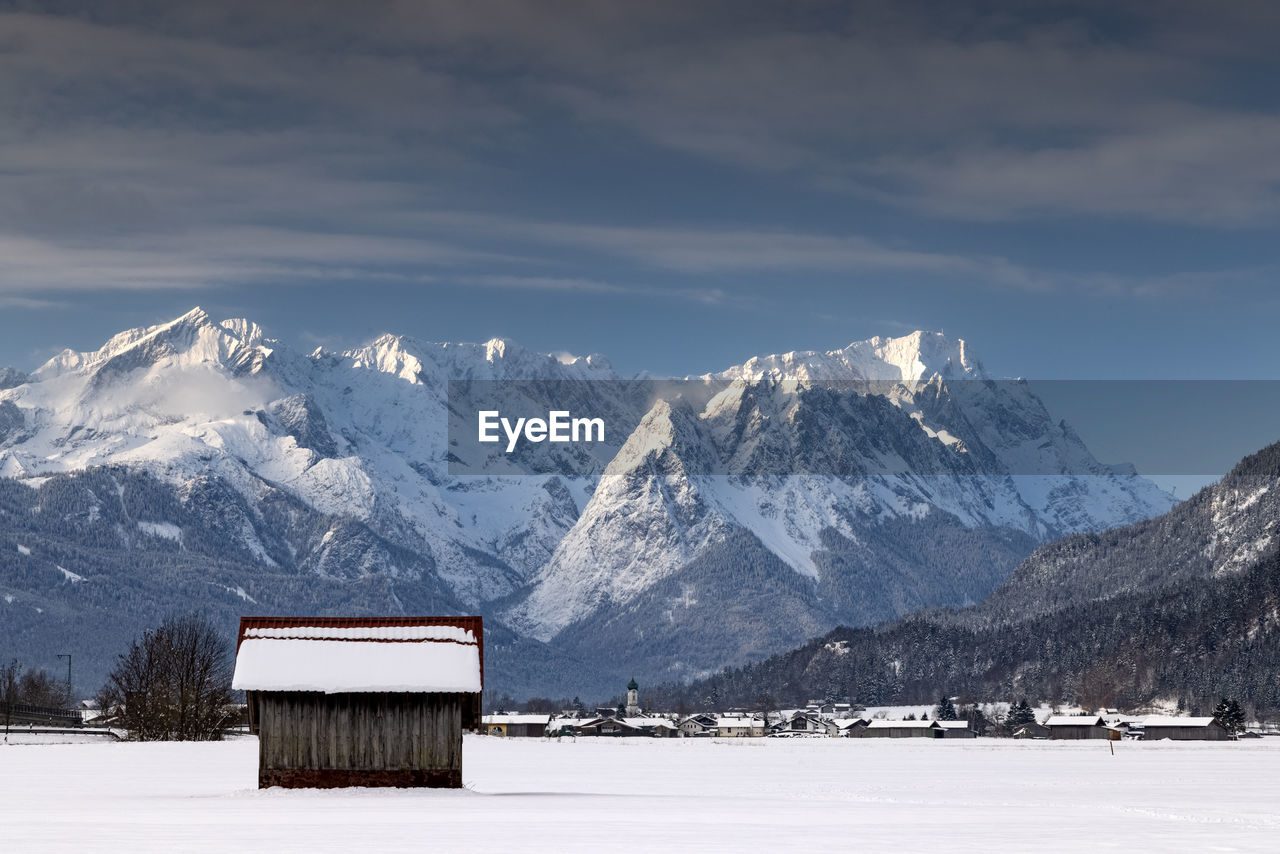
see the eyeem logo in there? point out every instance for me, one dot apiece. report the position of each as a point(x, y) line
point(558, 426)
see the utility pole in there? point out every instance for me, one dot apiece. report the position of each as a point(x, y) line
point(67, 656)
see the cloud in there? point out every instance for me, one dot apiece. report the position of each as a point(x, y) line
point(700, 251)
point(1214, 170)
point(987, 116)
point(13, 301)
point(154, 145)
point(705, 296)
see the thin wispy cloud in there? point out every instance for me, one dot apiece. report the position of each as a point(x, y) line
point(178, 146)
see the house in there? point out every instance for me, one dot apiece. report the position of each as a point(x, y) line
point(846, 727)
point(360, 701)
point(698, 726)
point(563, 724)
point(1183, 729)
point(902, 729)
point(1075, 727)
point(1031, 730)
point(613, 727)
point(739, 727)
point(516, 726)
point(803, 722)
point(957, 729)
point(654, 725)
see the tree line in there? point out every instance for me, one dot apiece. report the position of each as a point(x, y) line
point(173, 683)
point(1196, 641)
point(31, 686)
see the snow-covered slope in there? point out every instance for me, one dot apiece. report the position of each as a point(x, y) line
point(359, 435)
point(813, 453)
point(866, 481)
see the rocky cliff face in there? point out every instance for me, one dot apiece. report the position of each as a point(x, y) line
point(808, 489)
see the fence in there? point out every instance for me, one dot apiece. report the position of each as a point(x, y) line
point(21, 713)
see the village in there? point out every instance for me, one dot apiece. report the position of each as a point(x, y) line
point(359, 704)
point(819, 719)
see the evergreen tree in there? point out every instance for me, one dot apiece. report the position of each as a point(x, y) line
point(1020, 714)
point(1230, 715)
point(1235, 716)
point(945, 710)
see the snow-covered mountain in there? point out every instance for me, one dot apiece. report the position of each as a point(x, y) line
point(907, 430)
point(1180, 609)
point(357, 436)
point(849, 486)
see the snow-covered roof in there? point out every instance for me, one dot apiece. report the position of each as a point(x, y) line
point(489, 720)
point(1163, 720)
point(953, 724)
point(845, 723)
point(650, 722)
point(738, 722)
point(355, 655)
point(384, 633)
point(1074, 720)
point(880, 724)
point(607, 720)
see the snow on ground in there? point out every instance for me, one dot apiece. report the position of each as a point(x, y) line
point(166, 530)
point(662, 795)
point(18, 736)
point(68, 575)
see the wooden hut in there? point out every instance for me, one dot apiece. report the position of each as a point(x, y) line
point(902, 729)
point(846, 727)
point(1074, 727)
point(1183, 729)
point(360, 701)
point(957, 729)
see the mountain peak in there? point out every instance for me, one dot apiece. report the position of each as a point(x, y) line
point(910, 358)
point(920, 355)
point(247, 331)
point(193, 336)
point(496, 348)
point(197, 316)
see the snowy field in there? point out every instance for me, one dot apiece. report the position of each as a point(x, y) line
point(679, 795)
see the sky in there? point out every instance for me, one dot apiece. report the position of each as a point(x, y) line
point(1080, 190)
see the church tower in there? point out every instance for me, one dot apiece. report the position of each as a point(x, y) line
point(633, 699)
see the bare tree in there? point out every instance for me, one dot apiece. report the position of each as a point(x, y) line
point(9, 690)
point(174, 683)
point(30, 686)
point(41, 688)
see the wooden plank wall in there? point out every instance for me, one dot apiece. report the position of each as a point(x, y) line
point(364, 732)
